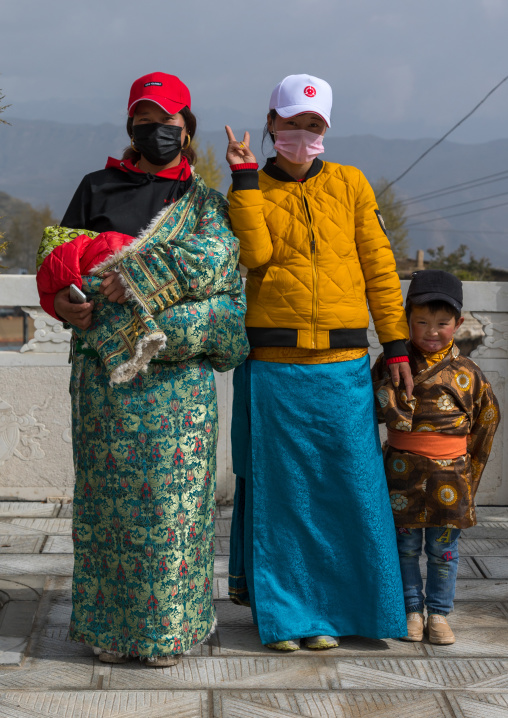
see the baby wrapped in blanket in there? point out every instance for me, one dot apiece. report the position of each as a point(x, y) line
point(182, 280)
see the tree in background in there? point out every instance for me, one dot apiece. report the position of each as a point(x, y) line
point(394, 216)
point(3, 249)
point(208, 167)
point(22, 226)
point(466, 269)
point(3, 108)
point(24, 235)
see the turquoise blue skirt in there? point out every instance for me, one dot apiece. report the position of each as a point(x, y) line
point(313, 548)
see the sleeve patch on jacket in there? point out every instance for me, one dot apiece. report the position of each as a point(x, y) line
point(381, 221)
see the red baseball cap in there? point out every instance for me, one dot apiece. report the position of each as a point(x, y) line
point(167, 91)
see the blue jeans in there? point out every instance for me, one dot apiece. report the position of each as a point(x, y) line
point(441, 547)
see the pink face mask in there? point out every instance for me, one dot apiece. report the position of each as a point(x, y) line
point(298, 146)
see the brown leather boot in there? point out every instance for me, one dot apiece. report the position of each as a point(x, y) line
point(438, 630)
point(414, 627)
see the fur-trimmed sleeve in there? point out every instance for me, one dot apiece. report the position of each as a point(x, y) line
point(191, 265)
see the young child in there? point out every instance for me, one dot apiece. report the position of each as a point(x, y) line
point(438, 444)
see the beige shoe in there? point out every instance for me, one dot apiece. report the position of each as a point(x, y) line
point(438, 630)
point(112, 657)
point(414, 627)
point(320, 643)
point(162, 661)
point(284, 646)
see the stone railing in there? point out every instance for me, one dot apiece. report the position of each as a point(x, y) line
point(35, 433)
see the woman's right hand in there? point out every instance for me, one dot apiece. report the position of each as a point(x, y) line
point(79, 315)
point(238, 153)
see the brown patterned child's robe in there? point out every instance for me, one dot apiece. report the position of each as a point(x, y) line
point(451, 397)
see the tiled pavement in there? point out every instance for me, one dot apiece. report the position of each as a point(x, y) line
point(234, 676)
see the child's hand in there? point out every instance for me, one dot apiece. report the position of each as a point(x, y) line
point(402, 371)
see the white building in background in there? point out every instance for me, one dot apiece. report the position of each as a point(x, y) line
point(35, 433)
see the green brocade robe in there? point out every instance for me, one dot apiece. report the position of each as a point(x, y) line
point(188, 254)
point(145, 443)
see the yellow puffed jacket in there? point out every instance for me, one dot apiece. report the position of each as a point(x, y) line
point(315, 251)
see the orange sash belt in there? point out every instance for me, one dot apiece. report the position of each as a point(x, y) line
point(431, 444)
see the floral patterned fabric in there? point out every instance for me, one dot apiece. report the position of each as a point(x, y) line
point(189, 255)
point(143, 524)
point(212, 327)
point(451, 397)
point(145, 447)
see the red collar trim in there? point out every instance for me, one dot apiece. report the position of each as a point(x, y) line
point(181, 171)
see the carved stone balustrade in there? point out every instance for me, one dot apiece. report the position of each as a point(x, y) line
point(35, 435)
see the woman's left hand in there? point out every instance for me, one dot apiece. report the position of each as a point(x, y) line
point(402, 371)
point(239, 152)
point(112, 288)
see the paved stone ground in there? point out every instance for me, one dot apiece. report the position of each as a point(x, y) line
point(234, 676)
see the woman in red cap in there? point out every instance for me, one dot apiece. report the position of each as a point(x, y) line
point(154, 171)
point(312, 543)
point(163, 307)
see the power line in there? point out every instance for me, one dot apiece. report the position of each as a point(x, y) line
point(462, 231)
point(438, 142)
point(451, 189)
point(459, 214)
point(457, 204)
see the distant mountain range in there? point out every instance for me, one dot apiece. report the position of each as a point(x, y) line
point(43, 162)
point(97, 110)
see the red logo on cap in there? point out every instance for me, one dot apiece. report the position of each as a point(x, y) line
point(309, 91)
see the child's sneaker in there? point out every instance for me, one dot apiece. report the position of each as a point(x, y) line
point(439, 631)
point(414, 627)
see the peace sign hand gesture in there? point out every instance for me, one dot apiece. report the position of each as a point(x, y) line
point(238, 153)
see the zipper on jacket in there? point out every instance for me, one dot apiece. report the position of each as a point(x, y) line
point(313, 260)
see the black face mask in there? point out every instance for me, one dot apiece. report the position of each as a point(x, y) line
point(159, 144)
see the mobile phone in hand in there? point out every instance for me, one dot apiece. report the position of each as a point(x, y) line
point(76, 296)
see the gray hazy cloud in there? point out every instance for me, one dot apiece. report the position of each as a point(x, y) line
point(398, 68)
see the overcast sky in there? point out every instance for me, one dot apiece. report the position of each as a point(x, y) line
point(398, 68)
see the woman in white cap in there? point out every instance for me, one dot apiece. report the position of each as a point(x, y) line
point(313, 547)
point(145, 424)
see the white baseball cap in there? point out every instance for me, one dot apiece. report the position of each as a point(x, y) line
point(302, 93)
